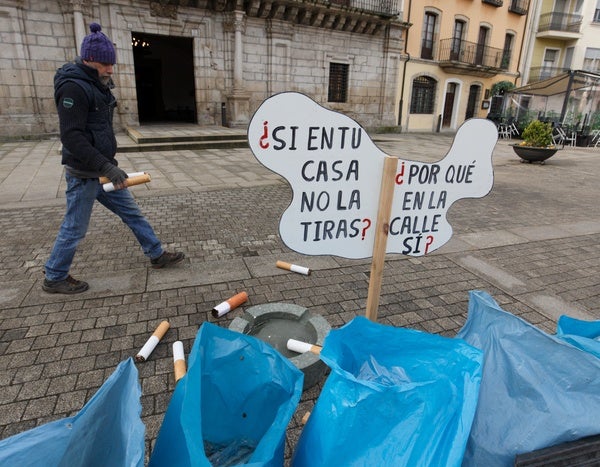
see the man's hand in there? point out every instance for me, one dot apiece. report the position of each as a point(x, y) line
point(117, 176)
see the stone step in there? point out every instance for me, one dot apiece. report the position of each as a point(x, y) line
point(168, 138)
point(182, 136)
point(183, 145)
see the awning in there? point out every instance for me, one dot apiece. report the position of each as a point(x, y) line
point(559, 84)
point(566, 83)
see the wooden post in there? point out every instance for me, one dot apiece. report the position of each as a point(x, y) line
point(382, 226)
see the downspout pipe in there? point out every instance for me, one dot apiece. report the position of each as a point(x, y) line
point(519, 74)
point(401, 103)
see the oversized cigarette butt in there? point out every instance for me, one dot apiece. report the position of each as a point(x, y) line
point(293, 268)
point(131, 181)
point(151, 343)
point(229, 304)
point(104, 180)
point(178, 360)
point(305, 418)
point(302, 347)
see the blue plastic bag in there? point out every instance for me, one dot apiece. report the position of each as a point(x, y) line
point(537, 391)
point(238, 397)
point(106, 431)
point(584, 335)
point(395, 396)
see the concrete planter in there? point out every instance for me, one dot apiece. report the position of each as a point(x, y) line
point(533, 154)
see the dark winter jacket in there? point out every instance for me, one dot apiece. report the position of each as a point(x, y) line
point(85, 111)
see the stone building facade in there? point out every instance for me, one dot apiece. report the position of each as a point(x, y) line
point(344, 54)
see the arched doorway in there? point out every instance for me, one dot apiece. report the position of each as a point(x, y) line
point(449, 105)
point(474, 96)
point(164, 78)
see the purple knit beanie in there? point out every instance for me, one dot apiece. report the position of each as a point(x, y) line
point(96, 47)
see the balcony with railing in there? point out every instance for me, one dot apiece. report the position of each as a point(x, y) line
point(539, 73)
point(471, 58)
point(359, 16)
point(496, 3)
point(518, 6)
point(560, 26)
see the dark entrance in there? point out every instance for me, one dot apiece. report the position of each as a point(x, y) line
point(449, 105)
point(164, 78)
point(474, 92)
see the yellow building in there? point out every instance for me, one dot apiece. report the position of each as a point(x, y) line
point(455, 51)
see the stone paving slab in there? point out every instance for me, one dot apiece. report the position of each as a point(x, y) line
point(533, 243)
point(101, 285)
point(12, 293)
point(206, 272)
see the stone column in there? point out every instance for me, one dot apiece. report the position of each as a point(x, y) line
point(392, 51)
point(78, 24)
point(238, 102)
point(240, 26)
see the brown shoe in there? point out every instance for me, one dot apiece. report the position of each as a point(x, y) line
point(167, 259)
point(67, 286)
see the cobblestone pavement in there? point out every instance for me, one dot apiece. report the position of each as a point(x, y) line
point(533, 243)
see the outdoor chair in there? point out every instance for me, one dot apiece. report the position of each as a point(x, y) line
point(504, 131)
point(595, 138)
point(558, 136)
point(570, 137)
point(563, 136)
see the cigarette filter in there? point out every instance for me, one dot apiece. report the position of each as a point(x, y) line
point(131, 181)
point(302, 347)
point(293, 268)
point(152, 342)
point(178, 360)
point(228, 305)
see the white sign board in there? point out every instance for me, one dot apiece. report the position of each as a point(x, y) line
point(335, 169)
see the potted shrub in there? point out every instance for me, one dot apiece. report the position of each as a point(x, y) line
point(537, 144)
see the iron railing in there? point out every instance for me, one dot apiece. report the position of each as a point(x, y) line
point(383, 7)
point(471, 53)
point(386, 7)
point(539, 73)
point(564, 22)
point(519, 6)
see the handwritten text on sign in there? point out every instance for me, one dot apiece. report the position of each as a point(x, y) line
point(335, 169)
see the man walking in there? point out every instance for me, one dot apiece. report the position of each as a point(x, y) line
point(85, 104)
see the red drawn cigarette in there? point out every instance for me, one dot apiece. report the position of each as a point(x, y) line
point(229, 304)
point(152, 342)
point(302, 347)
point(179, 360)
point(293, 268)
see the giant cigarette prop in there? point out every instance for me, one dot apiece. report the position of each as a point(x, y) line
point(152, 342)
point(229, 304)
point(134, 179)
point(293, 268)
point(178, 360)
point(104, 180)
point(302, 347)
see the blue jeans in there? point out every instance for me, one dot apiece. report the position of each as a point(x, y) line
point(81, 194)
